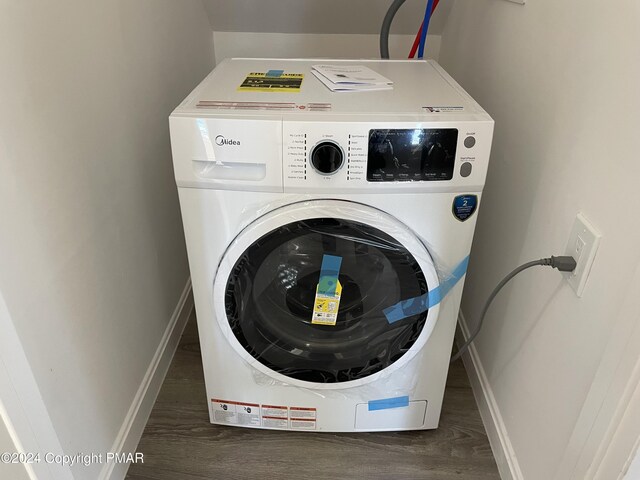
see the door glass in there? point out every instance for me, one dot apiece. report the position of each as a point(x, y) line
point(271, 293)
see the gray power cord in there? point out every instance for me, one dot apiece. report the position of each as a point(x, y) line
point(386, 27)
point(564, 264)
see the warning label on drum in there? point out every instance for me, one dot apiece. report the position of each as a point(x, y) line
point(328, 292)
point(235, 413)
point(303, 418)
point(275, 411)
point(301, 412)
point(268, 416)
point(275, 416)
point(303, 423)
point(325, 307)
point(274, 422)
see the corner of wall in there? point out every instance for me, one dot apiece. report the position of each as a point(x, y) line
point(23, 409)
point(142, 404)
point(489, 409)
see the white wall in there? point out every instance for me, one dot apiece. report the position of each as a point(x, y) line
point(325, 16)
point(561, 80)
point(314, 45)
point(326, 29)
point(92, 257)
point(634, 469)
point(14, 471)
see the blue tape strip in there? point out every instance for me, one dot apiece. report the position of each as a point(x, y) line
point(329, 271)
point(385, 403)
point(274, 73)
point(416, 305)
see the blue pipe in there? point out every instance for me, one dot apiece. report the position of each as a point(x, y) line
point(425, 27)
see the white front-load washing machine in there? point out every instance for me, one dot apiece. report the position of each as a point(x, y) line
point(328, 235)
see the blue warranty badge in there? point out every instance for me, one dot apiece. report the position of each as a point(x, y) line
point(464, 206)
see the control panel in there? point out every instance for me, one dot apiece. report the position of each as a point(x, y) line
point(348, 156)
point(419, 154)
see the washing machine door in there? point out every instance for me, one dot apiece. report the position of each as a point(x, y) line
point(266, 287)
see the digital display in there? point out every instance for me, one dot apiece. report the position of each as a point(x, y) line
point(411, 154)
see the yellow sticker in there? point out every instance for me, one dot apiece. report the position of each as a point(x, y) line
point(272, 81)
point(325, 308)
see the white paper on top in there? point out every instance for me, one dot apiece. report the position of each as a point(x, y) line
point(351, 75)
point(335, 87)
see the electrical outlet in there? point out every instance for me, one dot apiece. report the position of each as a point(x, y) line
point(582, 246)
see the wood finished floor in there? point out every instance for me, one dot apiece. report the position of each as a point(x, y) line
point(180, 443)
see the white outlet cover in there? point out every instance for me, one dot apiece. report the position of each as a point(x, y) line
point(582, 246)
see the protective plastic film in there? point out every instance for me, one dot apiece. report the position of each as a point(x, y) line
point(308, 291)
point(272, 295)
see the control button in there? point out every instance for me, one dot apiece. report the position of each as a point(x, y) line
point(469, 142)
point(327, 157)
point(465, 168)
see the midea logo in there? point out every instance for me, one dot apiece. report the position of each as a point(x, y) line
point(220, 140)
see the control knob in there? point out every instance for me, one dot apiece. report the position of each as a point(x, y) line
point(327, 157)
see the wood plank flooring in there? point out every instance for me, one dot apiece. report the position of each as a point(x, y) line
point(180, 443)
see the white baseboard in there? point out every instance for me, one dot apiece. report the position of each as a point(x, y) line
point(136, 419)
point(489, 411)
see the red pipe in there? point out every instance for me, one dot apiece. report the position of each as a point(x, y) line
point(416, 42)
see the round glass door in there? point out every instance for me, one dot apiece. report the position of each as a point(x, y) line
point(271, 291)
